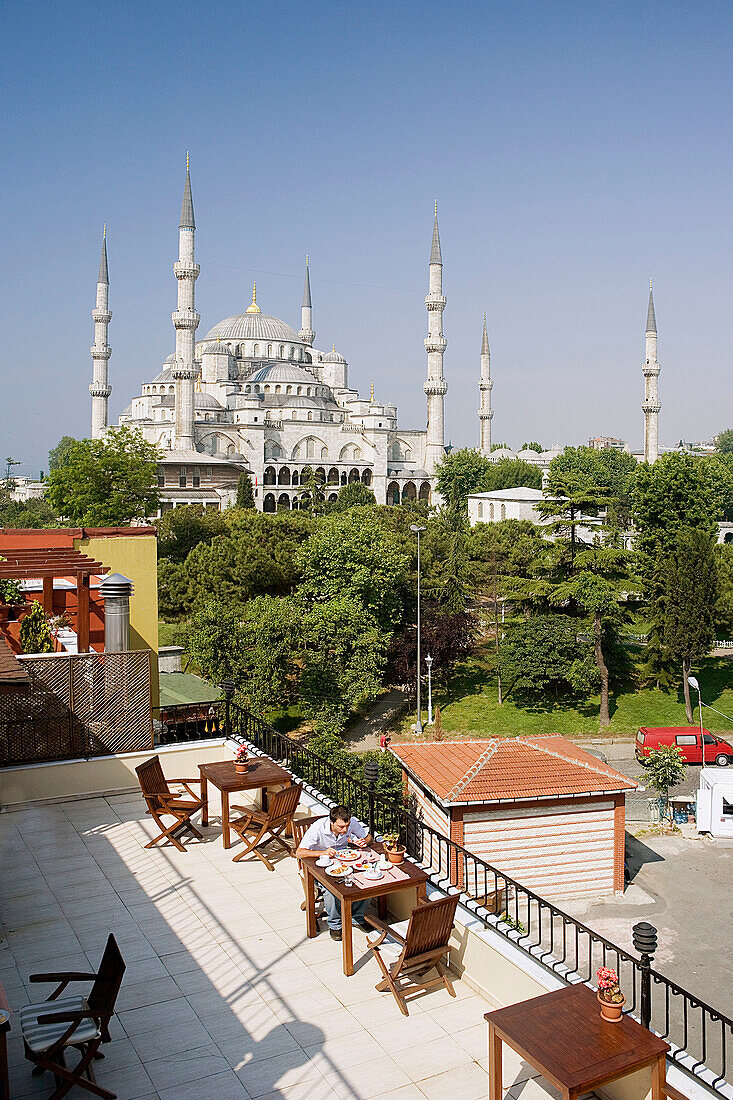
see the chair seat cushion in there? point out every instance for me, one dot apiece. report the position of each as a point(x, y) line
point(391, 949)
point(40, 1037)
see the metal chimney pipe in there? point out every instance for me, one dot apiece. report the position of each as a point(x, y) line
point(116, 591)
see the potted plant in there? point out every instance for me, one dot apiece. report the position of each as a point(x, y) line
point(241, 760)
point(394, 850)
point(12, 599)
point(610, 997)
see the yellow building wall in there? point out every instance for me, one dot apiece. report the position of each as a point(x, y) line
point(135, 557)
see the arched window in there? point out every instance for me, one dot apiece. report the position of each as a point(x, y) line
point(300, 390)
point(350, 453)
point(409, 493)
point(480, 510)
point(503, 511)
point(283, 476)
point(333, 476)
point(366, 477)
point(321, 475)
point(257, 388)
point(425, 491)
point(257, 349)
point(491, 511)
point(171, 389)
point(269, 478)
point(269, 351)
point(310, 447)
point(282, 351)
point(353, 475)
point(268, 504)
point(289, 389)
point(283, 503)
point(393, 493)
point(272, 449)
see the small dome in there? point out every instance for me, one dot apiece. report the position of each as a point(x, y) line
point(165, 375)
point(216, 348)
point(203, 400)
point(127, 411)
point(283, 372)
point(171, 358)
point(334, 356)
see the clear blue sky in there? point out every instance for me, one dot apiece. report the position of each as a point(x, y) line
point(575, 149)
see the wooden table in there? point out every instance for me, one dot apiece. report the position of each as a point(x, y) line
point(349, 895)
point(262, 773)
point(563, 1036)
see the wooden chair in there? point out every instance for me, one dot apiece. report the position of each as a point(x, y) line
point(162, 802)
point(300, 828)
point(409, 950)
point(267, 825)
point(51, 1026)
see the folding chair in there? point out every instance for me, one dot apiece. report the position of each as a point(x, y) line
point(51, 1026)
point(267, 825)
point(162, 802)
point(409, 950)
point(300, 828)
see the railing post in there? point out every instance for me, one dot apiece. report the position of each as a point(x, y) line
point(645, 941)
point(227, 686)
point(371, 774)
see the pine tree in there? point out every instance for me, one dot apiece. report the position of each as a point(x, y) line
point(35, 633)
point(245, 492)
point(690, 594)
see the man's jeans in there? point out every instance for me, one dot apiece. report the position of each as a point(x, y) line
point(333, 910)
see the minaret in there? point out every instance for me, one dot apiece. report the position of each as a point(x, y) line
point(185, 321)
point(651, 404)
point(435, 344)
point(306, 333)
point(486, 413)
point(101, 350)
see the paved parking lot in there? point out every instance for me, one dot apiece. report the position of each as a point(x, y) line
point(682, 884)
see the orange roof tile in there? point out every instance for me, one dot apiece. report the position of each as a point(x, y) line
point(508, 768)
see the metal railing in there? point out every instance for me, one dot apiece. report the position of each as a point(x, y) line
point(187, 722)
point(701, 1036)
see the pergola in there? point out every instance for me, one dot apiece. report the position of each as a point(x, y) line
point(51, 562)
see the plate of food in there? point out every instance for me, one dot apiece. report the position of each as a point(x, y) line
point(348, 855)
point(363, 865)
point(338, 870)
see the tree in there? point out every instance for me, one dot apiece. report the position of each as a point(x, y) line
point(455, 521)
point(533, 446)
point(174, 601)
point(106, 482)
point(665, 768)
point(35, 633)
point(724, 442)
point(35, 512)
point(215, 641)
point(59, 455)
point(270, 627)
point(353, 495)
point(567, 513)
point(718, 470)
point(448, 638)
point(691, 591)
point(672, 493)
point(349, 556)
point(509, 473)
point(541, 656)
point(181, 529)
point(344, 653)
point(245, 491)
point(609, 470)
point(462, 473)
point(724, 602)
point(597, 589)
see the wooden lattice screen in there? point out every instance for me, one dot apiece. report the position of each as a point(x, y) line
point(78, 705)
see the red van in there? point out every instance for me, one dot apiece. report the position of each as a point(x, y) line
point(687, 740)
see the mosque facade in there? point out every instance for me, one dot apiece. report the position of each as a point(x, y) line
point(256, 396)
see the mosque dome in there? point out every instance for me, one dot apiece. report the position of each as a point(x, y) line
point(283, 372)
point(333, 356)
point(170, 358)
point(165, 375)
point(203, 400)
point(216, 347)
point(253, 326)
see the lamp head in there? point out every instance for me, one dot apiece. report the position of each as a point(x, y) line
point(645, 938)
point(692, 681)
point(429, 661)
point(417, 530)
point(227, 686)
point(371, 771)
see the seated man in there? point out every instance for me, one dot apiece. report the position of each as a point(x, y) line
point(328, 835)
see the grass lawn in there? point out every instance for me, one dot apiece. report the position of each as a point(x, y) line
point(170, 633)
point(470, 708)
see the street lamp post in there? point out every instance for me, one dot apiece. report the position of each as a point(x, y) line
point(429, 663)
point(644, 936)
point(693, 682)
point(418, 531)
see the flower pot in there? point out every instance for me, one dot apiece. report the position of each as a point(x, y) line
point(395, 855)
point(241, 767)
point(609, 1011)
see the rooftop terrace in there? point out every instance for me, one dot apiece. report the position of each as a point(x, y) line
point(224, 996)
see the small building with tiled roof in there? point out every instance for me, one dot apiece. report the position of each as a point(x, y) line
point(541, 809)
